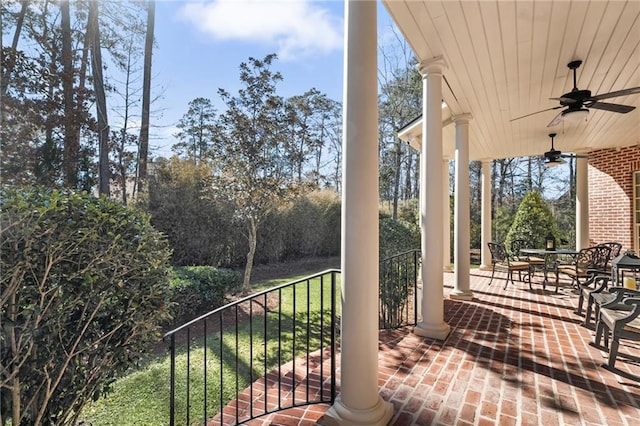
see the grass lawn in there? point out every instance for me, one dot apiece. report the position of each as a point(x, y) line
point(142, 396)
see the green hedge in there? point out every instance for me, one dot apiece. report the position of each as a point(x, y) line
point(201, 230)
point(199, 289)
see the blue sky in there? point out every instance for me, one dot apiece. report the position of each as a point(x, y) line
point(200, 45)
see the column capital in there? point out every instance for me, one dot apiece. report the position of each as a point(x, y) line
point(432, 66)
point(462, 118)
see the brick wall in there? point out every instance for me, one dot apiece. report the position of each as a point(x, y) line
point(611, 195)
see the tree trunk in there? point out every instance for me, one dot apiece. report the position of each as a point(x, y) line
point(146, 97)
point(529, 175)
point(253, 237)
point(101, 100)
point(14, 47)
point(396, 177)
point(82, 78)
point(71, 146)
point(572, 181)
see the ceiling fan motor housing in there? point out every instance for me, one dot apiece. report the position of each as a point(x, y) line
point(552, 155)
point(575, 98)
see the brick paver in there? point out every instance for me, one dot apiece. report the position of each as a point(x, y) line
point(514, 357)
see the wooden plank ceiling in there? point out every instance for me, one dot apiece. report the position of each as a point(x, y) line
point(505, 59)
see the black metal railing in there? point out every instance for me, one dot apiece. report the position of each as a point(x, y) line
point(399, 290)
point(264, 353)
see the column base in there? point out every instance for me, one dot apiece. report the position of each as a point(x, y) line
point(339, 414)
point(435, 331)
point(461, 295)
point(485, 267)
point(447, 268)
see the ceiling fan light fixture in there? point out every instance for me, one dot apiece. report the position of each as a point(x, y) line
point(575, 115)
point(552, 162)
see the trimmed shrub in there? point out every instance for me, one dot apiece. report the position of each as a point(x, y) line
point(532, 222)
point(200, 289)
point(84, 291)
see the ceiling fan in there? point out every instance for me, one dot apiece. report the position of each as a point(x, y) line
point(553, 157)
point(578, 101)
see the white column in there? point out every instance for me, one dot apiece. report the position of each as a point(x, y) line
point(485, 212)
point(446, 214)
point(461, 219)
point(359, 402)
point(431, 220)
point(582, 203)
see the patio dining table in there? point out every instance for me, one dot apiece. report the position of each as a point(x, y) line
point(550, 263)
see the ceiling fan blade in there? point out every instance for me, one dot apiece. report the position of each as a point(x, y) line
point(617, 93)
point(537, 112)
point(623, 109)
point(573, 156)
point(557, 120)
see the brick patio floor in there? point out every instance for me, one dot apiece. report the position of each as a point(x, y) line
point(513, 357)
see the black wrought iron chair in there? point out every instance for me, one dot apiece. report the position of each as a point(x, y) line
point(501, 260)
point(591, 259)
point(593, 292)
point(535, 262)
point(615, 251)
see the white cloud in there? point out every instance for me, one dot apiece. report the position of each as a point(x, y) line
point(296, 28)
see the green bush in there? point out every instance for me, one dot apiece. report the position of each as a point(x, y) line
point(200, 289)
point(397, 236)
point(84, 290)
point(533, 221)
point(200, 229)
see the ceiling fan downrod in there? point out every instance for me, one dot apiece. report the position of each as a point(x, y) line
point(574, 65)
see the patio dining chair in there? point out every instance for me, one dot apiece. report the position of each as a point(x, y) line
point(501, 260)
point(590, 259)
point(615, 251)
point(534, 262)
point(617, 323)
point(593, 292)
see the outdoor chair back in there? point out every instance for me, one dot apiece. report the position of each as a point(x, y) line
point(589, 260)
point(518, 244)
point(615, 251)
point(501, 260)
point(619, 324)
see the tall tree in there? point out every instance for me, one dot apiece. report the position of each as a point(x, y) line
point(311, 118)
point(48, 132)
point(71, 142)
point(146, 95)
point(197, 131)
point(101, 99)
point(252, 150)
point(9, 62)
point(400, 102)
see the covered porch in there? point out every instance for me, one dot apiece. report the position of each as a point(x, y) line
point(513, 356)
point(493, 74)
